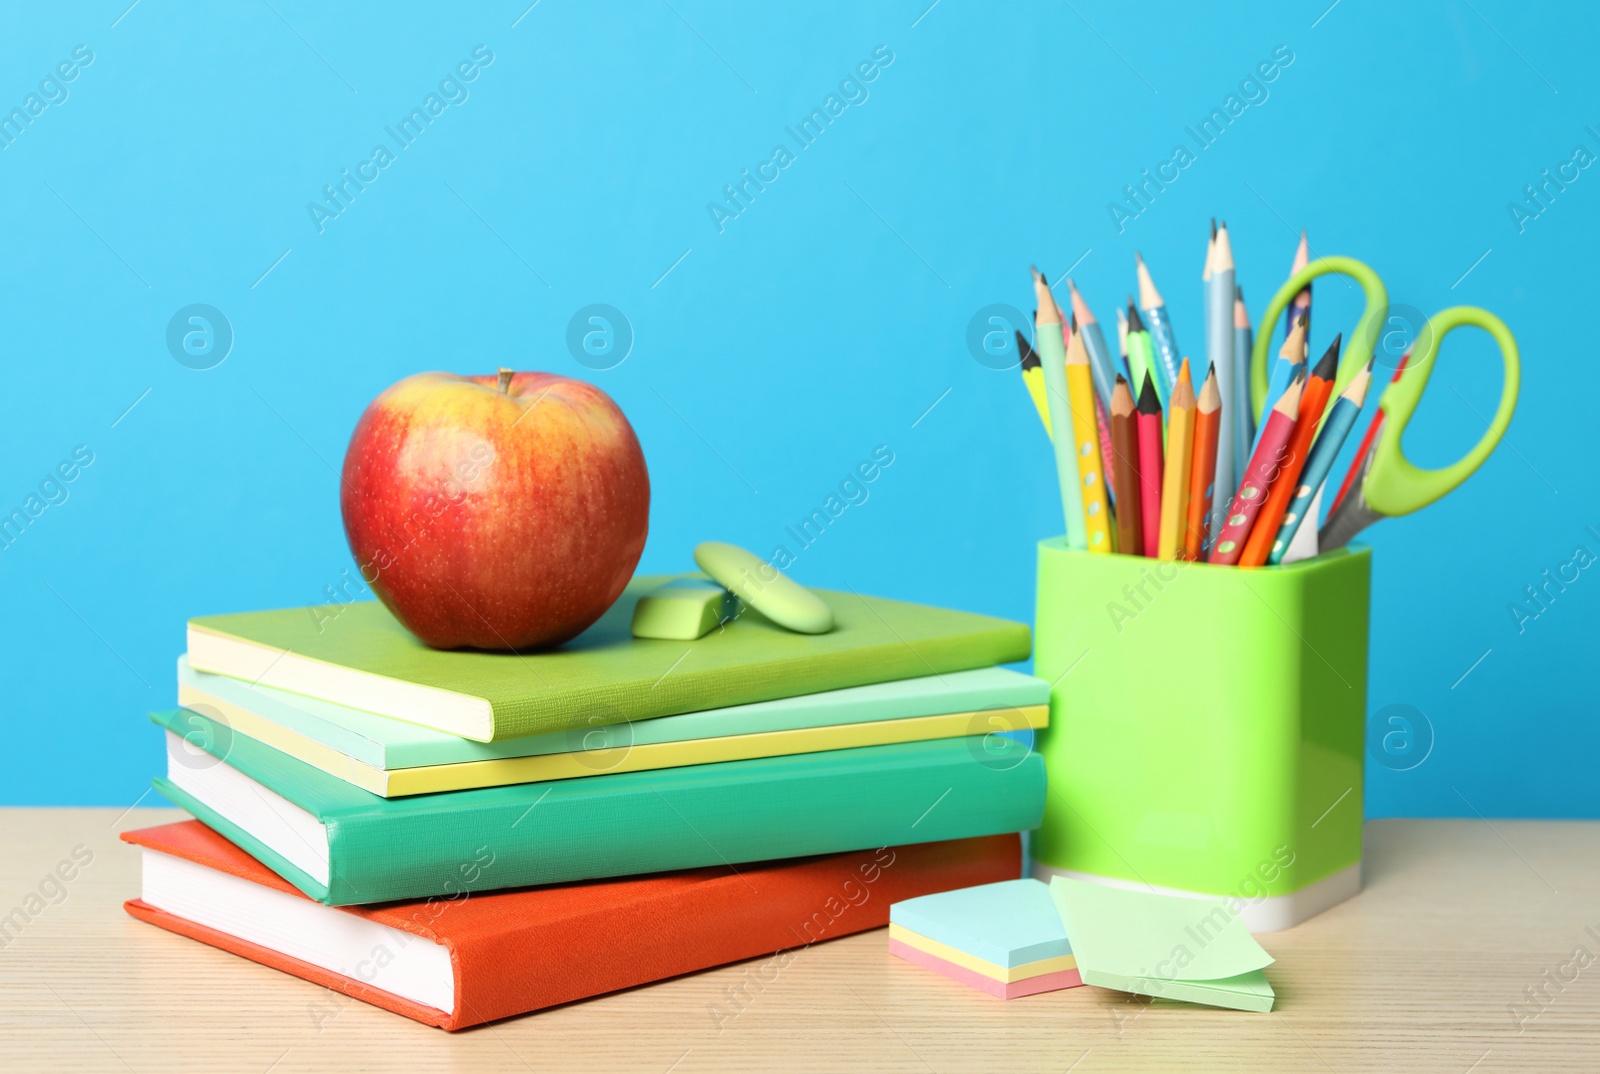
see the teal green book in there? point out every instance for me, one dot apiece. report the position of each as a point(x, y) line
point(360, 656)
point(344, 846)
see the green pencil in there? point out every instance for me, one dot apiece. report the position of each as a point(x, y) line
point(1141, 352)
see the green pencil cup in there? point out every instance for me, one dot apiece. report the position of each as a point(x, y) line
point(1206, 727)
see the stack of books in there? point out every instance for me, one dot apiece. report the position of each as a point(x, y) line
point(465, 836)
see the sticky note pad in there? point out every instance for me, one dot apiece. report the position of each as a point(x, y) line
point(1005, 939)
point(682, 610)
point(1197, 950)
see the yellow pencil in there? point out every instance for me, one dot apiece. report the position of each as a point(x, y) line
point(1091, 482)
point(1175, 479)
point(1033, 380)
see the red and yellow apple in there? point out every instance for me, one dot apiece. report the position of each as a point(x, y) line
point(495, 512)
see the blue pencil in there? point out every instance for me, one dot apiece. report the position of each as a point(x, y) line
point(1154, 307)
point(1301, 303)
point(1233, 457)
point(1101, 365)
point(1341, 419)
point(1243, 341)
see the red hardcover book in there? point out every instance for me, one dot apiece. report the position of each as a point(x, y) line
point(459, 961)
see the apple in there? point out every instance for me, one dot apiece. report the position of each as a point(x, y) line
point(495, 512)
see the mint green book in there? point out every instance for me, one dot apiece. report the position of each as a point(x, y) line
point(388, 744)
point(360, 656)
point(344, 846)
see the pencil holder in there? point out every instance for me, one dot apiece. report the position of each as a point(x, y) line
point(1206, 727)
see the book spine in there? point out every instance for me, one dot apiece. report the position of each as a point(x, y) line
point(790, 807)
point(777, 910)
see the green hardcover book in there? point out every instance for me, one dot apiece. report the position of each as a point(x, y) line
point(343, 846)
point(359, 655)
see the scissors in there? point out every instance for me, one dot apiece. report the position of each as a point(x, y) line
point(1386, 482)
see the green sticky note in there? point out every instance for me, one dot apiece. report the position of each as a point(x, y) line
point(682, 610)
point(1197, 950)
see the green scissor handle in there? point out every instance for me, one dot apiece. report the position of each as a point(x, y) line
point(1356, 350)
point(1394, 484)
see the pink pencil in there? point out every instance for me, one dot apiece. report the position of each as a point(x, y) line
point(1150, 467)
point(1259, 475)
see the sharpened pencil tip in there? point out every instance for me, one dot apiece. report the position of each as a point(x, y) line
point(1030, 360)
point(1328, 367)
point(1149, 402)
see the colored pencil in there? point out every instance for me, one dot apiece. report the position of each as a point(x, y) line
point(1313, 401)
point(1100, 360)
point(1053, 360)
point(1091, 476)
point(1246, 503)
point(1103, 428)
point(1033, 380)
point(1160, 325)
point(1244, 417)
point(1141, 356)
point(1122, 343)
point(1176, 473)
point(1208, 414)
point(1290, 361)
point(1358, 464)
point(1219, 351)
point(1125, 468)
point(1300, 305)
point(1211, 252)
point(1341, 419)
point(1150, 468)
point(1103, 425)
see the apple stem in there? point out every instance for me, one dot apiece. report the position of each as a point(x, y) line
point(505, 379)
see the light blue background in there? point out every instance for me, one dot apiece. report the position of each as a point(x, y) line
point(829, 318)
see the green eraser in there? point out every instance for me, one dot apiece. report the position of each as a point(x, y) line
point(764, 588)
point(681, 610)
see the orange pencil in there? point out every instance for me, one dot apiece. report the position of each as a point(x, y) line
point(1125, 468)
point(1208, 416)
point(1312, 403)
point(1175, 477)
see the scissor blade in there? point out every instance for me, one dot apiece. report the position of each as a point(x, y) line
point(1352, 514)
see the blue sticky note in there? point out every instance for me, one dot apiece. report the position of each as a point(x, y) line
point(1009, 924)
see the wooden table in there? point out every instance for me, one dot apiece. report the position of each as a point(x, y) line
point(1420, 972)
